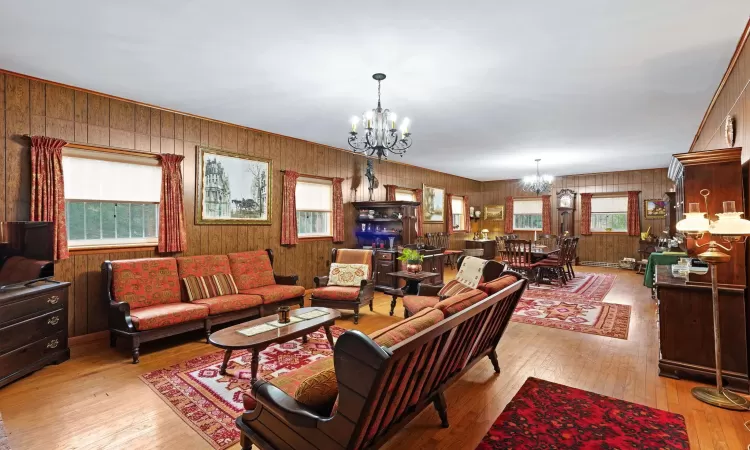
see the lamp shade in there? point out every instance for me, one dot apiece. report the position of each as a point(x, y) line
point(695, 222)
point(731, 224)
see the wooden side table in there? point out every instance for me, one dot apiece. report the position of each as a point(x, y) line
point(412, 284)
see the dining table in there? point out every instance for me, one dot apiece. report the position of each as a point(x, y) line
point(541, 252)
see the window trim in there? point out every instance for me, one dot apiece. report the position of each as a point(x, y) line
point(603, 231)
point(315, 236)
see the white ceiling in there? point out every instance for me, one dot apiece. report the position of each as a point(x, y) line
point(586, 85)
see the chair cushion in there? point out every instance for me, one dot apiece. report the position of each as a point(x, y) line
point(336, 293)
point(251, 269)
point(160, 316)
point(400, 331)
point(276, 292)
point(416, 303)
point(460, 302)
point(452, 288)
point(453, 252)
point(145, 282)
point(498, 284)
point(228, 303)
point(355, 256)
point(319, 391)
point(202, 266)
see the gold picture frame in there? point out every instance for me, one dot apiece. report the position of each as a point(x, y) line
point(237, 190)
point(433, 204)
point(655, 208)
point(494, 212)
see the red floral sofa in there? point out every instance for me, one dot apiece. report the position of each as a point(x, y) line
point(148, 301)
point(374, 385)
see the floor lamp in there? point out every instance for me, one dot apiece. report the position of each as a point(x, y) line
point(731, 228)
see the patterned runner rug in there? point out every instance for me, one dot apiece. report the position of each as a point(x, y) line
point(545, 415)
point(210, 402)
point(4, 444)
point(575, 307)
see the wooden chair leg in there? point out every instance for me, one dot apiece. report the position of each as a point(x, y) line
point(356, 315)
point(370, 305)
point(136, 349)
point(112, 339)
point(495, 362)
point(208, 330)
point(442, 409)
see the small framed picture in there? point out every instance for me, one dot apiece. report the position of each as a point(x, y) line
point(494, 212)
point(655, 208)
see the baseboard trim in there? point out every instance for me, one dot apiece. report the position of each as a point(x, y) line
point(88, 338)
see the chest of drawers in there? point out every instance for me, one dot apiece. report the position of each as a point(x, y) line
point(33, 329)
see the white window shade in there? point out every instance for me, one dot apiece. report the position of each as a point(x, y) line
point(527, 206)
point(457, 204)
point(406, 196)
point(609, 204)
point(107, 180)
point(314, 195)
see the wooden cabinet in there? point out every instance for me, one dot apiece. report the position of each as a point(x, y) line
point(385, 263)
point(379, 222)
point(670, 220)
point(33, 329)
point(487, 245)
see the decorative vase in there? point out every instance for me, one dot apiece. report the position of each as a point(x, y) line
point(391, 239)
point(414, 266)
point(283, 313)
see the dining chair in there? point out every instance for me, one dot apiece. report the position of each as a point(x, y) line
point(571, 259)
point(548, 240)
point(556, 267)
point(517, 254)
point(442, 240)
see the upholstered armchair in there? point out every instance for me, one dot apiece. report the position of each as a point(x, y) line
point(346, 297)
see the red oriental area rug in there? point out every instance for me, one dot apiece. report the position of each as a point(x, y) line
point(545, 415)
point(586, 286)
point(210, 402)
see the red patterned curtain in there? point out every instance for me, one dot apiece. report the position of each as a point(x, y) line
point(546, 214)
point(420, 215)
point(48, 190)
point(449, 215)
point(390, 192)
point(467, 217)
point(172, 234)
point(508, 215)
point(634, 214)
point(289, 209)
point(586, 214)
point(338, 211)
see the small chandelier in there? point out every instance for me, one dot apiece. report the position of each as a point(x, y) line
point(537, 184)
point(380, 134)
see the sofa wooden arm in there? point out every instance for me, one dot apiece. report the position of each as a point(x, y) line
point(429, 290)
point(282, 404)
point(321, 281)
point(289, 280)
point(119, 316)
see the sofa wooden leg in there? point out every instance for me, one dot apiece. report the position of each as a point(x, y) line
point(112, 339)
point(136, 350)
point(245, 442)
point(356, 315)
point(208, 330)
point(495, 362)
point(442, 409)
point(370, 305)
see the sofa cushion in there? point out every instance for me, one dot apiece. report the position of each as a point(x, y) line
point(276, 292)
point(453, 287)
point(400, 331)
point(498, 284)
point(416, 303)
point(202, 266)
point(228, 303)
point(336, 293)
point(145, 282)
point(291, 381)
point(251, 269)
point(160, 316)
point(459, 302)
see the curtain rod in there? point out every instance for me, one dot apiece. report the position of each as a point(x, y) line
point(305, 175)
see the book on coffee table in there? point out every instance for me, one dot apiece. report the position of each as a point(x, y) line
point(312, 314)
point(257, 329)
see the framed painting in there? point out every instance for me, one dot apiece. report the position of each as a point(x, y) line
point(433, 204)
point(655, 208)
point(232, 189)
point(494, 212)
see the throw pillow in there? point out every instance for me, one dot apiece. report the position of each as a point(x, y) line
point(497, 285)
point(224, 283)
point(319, 391)
point(196, 288)
point(347, 274)
point(454, 287)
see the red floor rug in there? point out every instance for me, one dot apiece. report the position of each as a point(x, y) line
point(603, 319)
point(586, 286)
point(545, 415)
point(210, 402)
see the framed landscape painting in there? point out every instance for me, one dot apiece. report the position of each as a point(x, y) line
point(655, 208)
point(232, 189)
point(494, 212)
point(433, 204)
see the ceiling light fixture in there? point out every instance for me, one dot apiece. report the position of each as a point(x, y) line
point(380, 135)
point(538, 184)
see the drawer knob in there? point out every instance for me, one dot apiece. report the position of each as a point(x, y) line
point(53, 299)
point(53, 320)
point(53, 343)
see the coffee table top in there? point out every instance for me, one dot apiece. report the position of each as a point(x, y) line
point(419, 276)
point(231, 339)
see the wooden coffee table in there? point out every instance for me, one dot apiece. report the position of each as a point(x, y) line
point(231, 339)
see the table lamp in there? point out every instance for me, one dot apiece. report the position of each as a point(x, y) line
point(730, 228)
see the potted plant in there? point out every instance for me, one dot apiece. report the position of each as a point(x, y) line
point(413, 260)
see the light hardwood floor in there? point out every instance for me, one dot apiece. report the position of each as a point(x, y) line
point(96, 400)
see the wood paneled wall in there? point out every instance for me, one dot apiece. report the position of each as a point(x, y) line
point(732, 98)
point(33, 107)
point(652, 183)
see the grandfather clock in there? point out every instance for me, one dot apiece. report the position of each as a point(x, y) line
point(566, 206)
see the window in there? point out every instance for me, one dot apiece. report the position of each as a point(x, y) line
point(609, 214)
point(457, 206)
point(527, 214)
point(314, 207)
point(406, 195)
point(111, 199)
